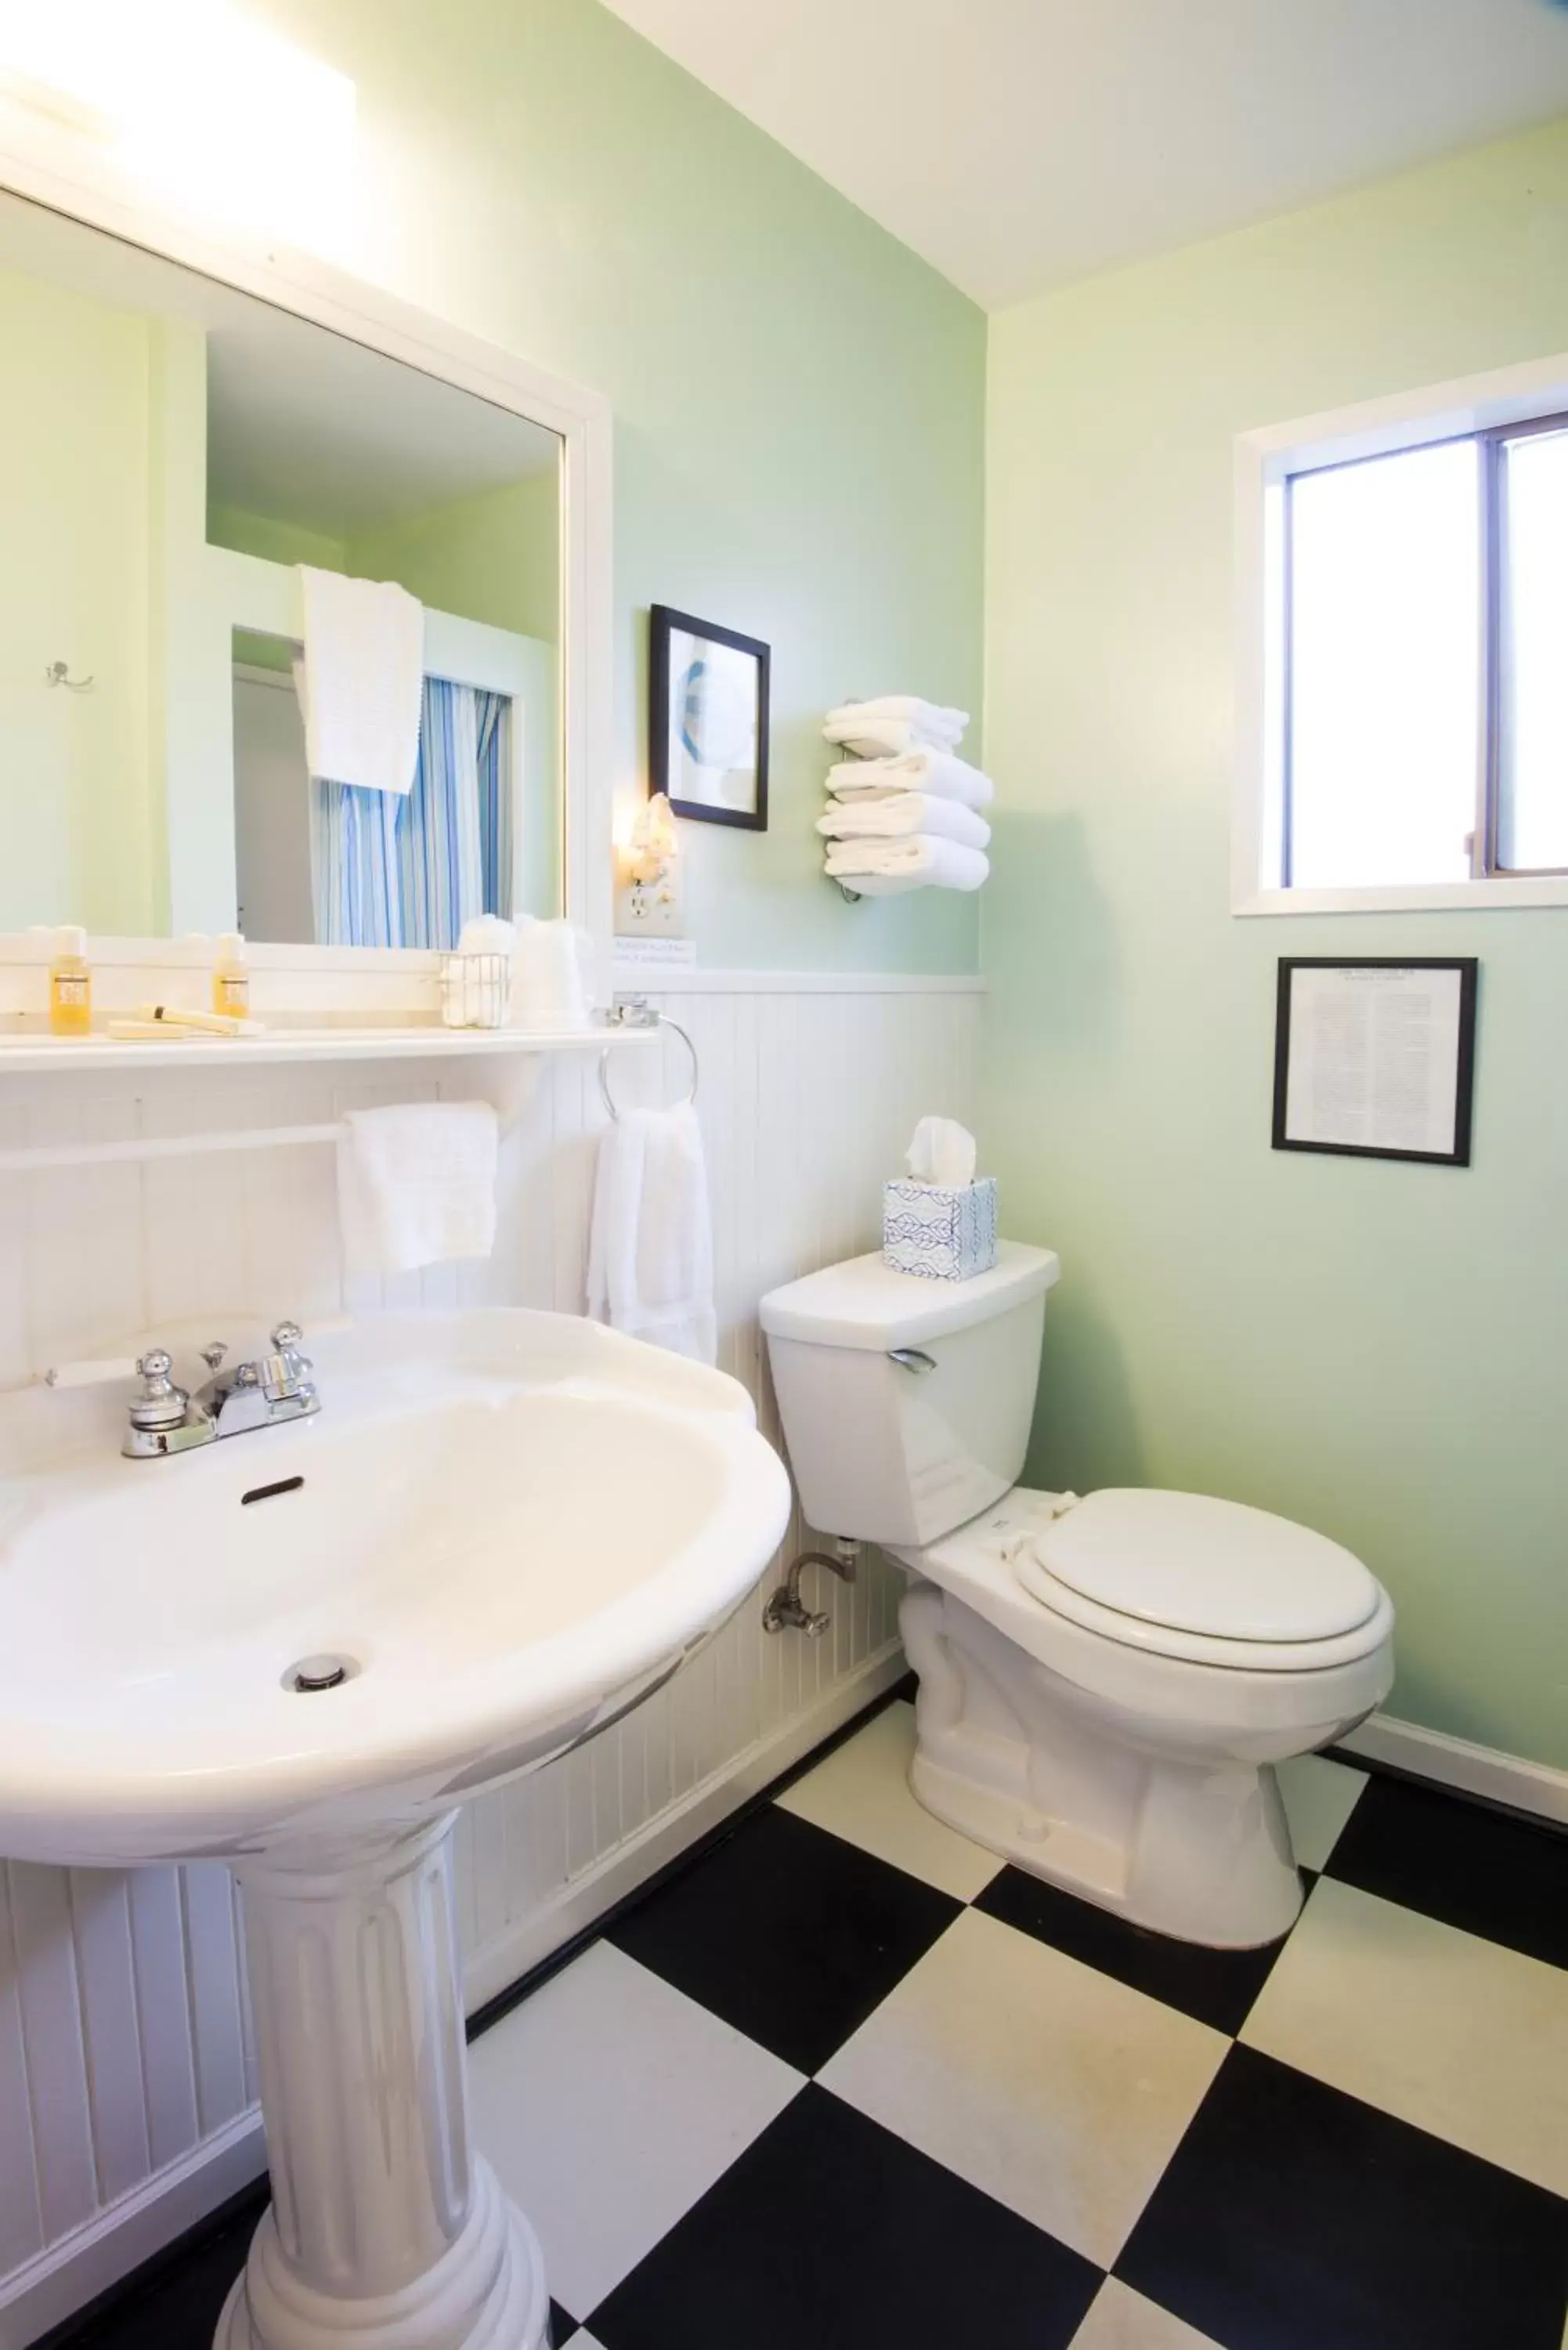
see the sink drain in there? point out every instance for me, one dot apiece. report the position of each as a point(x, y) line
point(324, 1672)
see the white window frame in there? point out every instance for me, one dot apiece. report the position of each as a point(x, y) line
point(1264, 460)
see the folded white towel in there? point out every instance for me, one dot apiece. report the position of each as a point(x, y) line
point(650, 1251)
point(362, 681)
point(882, 869)
point(900, 814)
point(942, 724)
point(935, 772)
point(889, 738)
point(416, 1185)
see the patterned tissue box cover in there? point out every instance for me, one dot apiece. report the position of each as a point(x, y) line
point(946, 1231)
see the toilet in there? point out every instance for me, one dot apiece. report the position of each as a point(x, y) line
point(1105, 1683)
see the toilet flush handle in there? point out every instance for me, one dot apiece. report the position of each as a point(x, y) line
point(911, 1358)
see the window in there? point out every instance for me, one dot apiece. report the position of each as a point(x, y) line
point(1413, 705)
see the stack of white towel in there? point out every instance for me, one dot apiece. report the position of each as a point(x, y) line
point(904, 812)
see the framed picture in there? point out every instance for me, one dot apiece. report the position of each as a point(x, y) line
point(1375, 1059)
point(707, 720)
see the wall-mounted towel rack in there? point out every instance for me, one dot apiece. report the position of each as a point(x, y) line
point(636, 1012)
point(137, 1148)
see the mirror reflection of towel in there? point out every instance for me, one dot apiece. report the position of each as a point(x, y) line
point(363, 675)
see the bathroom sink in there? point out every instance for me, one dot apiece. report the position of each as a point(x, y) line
point(295, 1649)
point(503, 1527)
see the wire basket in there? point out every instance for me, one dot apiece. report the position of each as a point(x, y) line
point(474, 989)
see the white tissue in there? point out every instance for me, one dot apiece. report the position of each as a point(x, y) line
point(941, 1152)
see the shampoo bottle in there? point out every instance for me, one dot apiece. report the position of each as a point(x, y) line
point(230, 977)
point(70, 983)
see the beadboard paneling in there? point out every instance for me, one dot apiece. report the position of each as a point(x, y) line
point(126, 2074)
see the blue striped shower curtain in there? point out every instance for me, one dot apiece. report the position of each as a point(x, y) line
point(408, 869)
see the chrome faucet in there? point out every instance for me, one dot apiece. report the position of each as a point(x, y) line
point(277, 1388)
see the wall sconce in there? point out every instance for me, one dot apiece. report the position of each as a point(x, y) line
point(649, 902)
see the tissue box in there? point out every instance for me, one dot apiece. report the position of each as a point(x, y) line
point(945, 1231)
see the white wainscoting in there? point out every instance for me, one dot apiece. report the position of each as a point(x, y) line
point(126, 2081)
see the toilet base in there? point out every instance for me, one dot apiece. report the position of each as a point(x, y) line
point(1191, 1844)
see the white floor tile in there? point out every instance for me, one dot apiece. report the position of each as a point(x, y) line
point(1457, 2035)
point(1121, 2319)
point(1054, 2088)
point(608, 2103)
point(862, 1794)
point(1319, 1796)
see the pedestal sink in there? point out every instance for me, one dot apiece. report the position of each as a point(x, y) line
point(504, 1529)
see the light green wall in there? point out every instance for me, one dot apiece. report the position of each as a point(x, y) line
point(77, 410)
point(495, 558)
point(1376, 1348)
point(275, 542)
point(798, 400)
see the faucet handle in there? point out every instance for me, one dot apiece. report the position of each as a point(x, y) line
point(161, 1404)
point(286, 1372)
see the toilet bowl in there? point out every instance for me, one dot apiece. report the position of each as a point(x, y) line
point(1105, 1683)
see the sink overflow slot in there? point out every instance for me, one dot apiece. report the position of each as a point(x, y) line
point(265, 1492)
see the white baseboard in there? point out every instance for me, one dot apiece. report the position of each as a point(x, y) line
point(62, 2280)
point(1456, 1762)
point(488, 1971)
point(45, 2291)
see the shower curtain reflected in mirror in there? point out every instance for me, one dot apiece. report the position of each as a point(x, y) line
point(408, 869)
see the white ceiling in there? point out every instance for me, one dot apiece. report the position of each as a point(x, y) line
point(302, 425)
point(1018, 143)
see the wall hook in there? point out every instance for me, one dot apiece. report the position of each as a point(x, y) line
point(58, 673)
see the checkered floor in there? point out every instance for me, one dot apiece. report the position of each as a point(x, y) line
point(848, 2082)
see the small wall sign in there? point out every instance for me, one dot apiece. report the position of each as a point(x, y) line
point(1375, 1059)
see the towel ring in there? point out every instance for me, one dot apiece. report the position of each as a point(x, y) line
point(609, 1098)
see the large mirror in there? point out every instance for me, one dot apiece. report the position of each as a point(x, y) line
point(280, 618)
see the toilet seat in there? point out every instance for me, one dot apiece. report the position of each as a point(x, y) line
point(1189, 1577)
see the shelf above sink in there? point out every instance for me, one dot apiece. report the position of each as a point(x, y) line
point(37, 1054)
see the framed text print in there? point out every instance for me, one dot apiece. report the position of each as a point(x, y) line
point(1375, 1059)
point(707, 720)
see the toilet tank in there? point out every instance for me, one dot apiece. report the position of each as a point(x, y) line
point(907, 1401)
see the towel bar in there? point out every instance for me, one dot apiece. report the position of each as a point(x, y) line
point(140, 1147)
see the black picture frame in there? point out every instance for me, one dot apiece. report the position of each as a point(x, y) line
point(665, 624)
point(1468, 967)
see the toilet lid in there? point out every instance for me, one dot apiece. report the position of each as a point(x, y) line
point(1217, 1568)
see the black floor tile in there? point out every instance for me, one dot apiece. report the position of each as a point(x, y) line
point(790, 1934)
point(179, 2306)
point(830, 2233)
point(1294, 2218)
point(1492, 1875)
point(1217, 1987)
point(562, 2327)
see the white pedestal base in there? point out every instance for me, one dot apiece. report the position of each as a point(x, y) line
point(384, 2233)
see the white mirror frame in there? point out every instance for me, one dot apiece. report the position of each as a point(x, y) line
point(62, 171)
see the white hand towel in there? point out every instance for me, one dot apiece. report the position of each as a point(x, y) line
point(884, 869)
point(900, 814)
point(416, 1185)
point(889, 738)
point(935, 772)
point(362, 680)
point(650, 1251)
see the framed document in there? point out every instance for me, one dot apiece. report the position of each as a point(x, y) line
point(1375, 1059)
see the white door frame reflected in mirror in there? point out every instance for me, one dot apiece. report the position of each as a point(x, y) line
point(58, 169)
